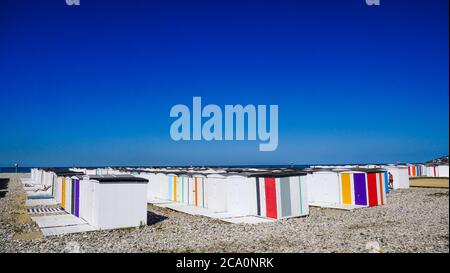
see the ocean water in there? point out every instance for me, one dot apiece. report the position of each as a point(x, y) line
point(28, 169)
point(13, 170)
point(22, 169)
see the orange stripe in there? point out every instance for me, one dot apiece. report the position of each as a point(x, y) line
point(381, 188)
point(63, 197)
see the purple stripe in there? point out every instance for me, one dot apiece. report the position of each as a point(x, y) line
point(360, 189)
point(77, 197)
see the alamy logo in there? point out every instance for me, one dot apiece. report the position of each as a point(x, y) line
point(73, 2)
point(257, 124)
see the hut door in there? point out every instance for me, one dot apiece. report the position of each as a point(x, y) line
point(360, 189)
point(271, 197)
point(372, 189)
point(197, 192)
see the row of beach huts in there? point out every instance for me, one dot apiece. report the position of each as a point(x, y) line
point(109, 198)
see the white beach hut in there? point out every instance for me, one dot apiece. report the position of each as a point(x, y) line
point(110, 201)
point(437, 170)
point(215, 192)
point(399, 174)
point(323, 186)
point(443, 170)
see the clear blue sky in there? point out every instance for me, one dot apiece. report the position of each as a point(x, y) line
point(94, 84)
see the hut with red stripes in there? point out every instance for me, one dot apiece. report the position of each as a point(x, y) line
point(364, 187)
point(437, 170)
point(415, 170)
point(271, 194)
point(281, 195)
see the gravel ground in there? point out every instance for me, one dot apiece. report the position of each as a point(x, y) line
point(414, 220)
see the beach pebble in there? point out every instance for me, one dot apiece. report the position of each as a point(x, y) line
point(413, 220)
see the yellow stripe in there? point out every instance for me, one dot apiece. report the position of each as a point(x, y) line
point(63, 197)
point(346, 189)
point(175, 188)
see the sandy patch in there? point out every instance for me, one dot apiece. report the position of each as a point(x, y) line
point(429, 182)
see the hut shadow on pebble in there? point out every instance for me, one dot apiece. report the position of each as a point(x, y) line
point(3, 187)
point(153, 218)
point(4, 183)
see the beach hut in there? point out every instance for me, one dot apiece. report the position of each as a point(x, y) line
point(399, 174)
point(443, 170)
point(71, 194)
point(61, 189)
point(353, 187)
point(281, 195)
point(215, 192)
point(415, 170)
point(275, 195)
point(431, 171)
point(86, 199)
point(240, 194)
point(75, 196)
point(437, 170)
point(177, 187)
point(376, 185)
point(323, 186)
point(364, 187)
point(110, 201)
point(196, 184)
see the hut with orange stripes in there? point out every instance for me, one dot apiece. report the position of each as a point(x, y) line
point(354, 187)
point(415, 170)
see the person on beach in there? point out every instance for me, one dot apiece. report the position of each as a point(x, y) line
point(391, 181)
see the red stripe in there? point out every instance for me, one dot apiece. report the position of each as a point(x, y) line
point(434, 171)
point(271, 197)
point(409, 171)
point(372, 188)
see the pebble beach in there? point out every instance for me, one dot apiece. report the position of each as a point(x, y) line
point(413, 220)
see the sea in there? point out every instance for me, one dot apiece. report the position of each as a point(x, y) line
point(28, 169)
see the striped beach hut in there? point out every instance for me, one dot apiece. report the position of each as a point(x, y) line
point(437, 170)
point(281, 195)
point(275, 195)
point(62, 187)
point(364, 187)
point(177, 187)
point(197, 190)
point(353, 188)
point(415, 170)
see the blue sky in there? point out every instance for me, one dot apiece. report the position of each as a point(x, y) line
point(94, 84)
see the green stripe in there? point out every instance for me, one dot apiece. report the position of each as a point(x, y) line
point(300, 189)
point(182, 189)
